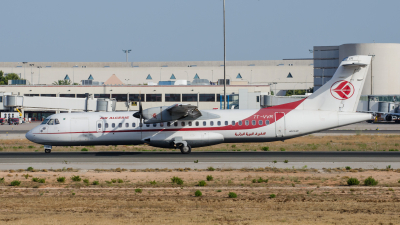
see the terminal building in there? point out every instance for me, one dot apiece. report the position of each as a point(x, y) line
point(197, 82)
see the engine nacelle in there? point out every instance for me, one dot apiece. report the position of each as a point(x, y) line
point(194, 139)
point(388, 117)
point(158, 115)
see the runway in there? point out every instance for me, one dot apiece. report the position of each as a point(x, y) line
point(142, 160)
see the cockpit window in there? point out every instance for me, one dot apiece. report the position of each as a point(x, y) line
point(51, 122)
point(56, 121)
point(45, 121)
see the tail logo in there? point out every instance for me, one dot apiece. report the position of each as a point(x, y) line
point(342, 90)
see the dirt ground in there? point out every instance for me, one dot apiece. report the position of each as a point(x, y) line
point(303, 196)
point(357, 142)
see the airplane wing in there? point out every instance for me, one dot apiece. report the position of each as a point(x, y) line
point(183, 111)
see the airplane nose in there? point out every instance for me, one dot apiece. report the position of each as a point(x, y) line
point(29, 135)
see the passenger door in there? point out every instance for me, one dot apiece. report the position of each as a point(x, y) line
point(99, 126)
point(279, 124)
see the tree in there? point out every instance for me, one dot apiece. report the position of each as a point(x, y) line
point(4, 79)
point(62, 82)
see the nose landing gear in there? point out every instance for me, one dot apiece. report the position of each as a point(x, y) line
point(47, 148)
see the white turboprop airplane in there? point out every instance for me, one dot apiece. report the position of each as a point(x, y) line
point(184, 126)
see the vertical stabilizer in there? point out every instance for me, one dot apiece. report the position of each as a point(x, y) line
point(342, 92)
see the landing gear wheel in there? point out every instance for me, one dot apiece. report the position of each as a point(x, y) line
point(186, 149)
point(47, 150)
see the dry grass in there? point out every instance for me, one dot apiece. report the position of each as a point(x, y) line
point(306, 143)
point(317, 198)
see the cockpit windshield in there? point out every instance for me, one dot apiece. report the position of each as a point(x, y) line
point(45, 121)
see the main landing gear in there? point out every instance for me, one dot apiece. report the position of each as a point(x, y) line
point(47, 148)
point(185, 149)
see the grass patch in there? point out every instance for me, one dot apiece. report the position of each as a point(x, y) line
point(286, 161)
point(76, 178)
point(153, 182)
point(272, 196)
point(265, 148)
point(138, 190)
point(86, 181)
point(60, 179)
point(210, 178)
point(96, 182)
point(198, 193)
point(120, 181)
point(353, 181)
point(232, 195)
point(30, 169)
point(15, 183)
point(177, 180)
point(202, 183)
point(2, 180)
point(42, 180)
point(210, 168)
point(35, 179)
point(84, 150)
point(370, 181)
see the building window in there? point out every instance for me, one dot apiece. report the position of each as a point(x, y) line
point(48, 95)
point(289, 75)
point(219, 97)
point(239, 76)
point(258, 98)
point(67, 95)
point(101, 95)
point(80, 95)
point(207, 97)
point(172, 77)
point(135, 97)
point(189, 97)
point(172, 97)
point(148, 77)
point(120, 97)
point(153, 98)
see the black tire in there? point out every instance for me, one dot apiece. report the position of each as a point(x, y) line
point(47, 150)
point(186, 150)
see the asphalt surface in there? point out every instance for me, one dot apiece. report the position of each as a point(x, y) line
point(154, 157)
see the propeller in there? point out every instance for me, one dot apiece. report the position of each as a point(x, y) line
point(139, 114)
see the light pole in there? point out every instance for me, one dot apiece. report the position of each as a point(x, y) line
point(126, 52)
point(24, 68)
point(31, 65)
point(39, 74)
point(224, 60)
point(73, 74)
point(127, 81)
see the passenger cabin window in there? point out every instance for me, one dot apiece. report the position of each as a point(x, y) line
point(161, 124)
point(246, 122)
point(182, 124)
point(99, 125)
point(240, 123)
point(168, 124)
point(197, 123)
point(233, 123)
point(226, 123)
point(120, 125)
point(219, 123)
point(56, 121)
point(211, 123)
point(106, 125)
point(147, 125)
point(190, 123)
point(204, 123)
point(140, 124)
point(267, 122)
point(175, 124)
point(154, 124)
point(260, 122)
point(133, 124)
point(253, 122)
point(126, 124)
point(113, 125)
